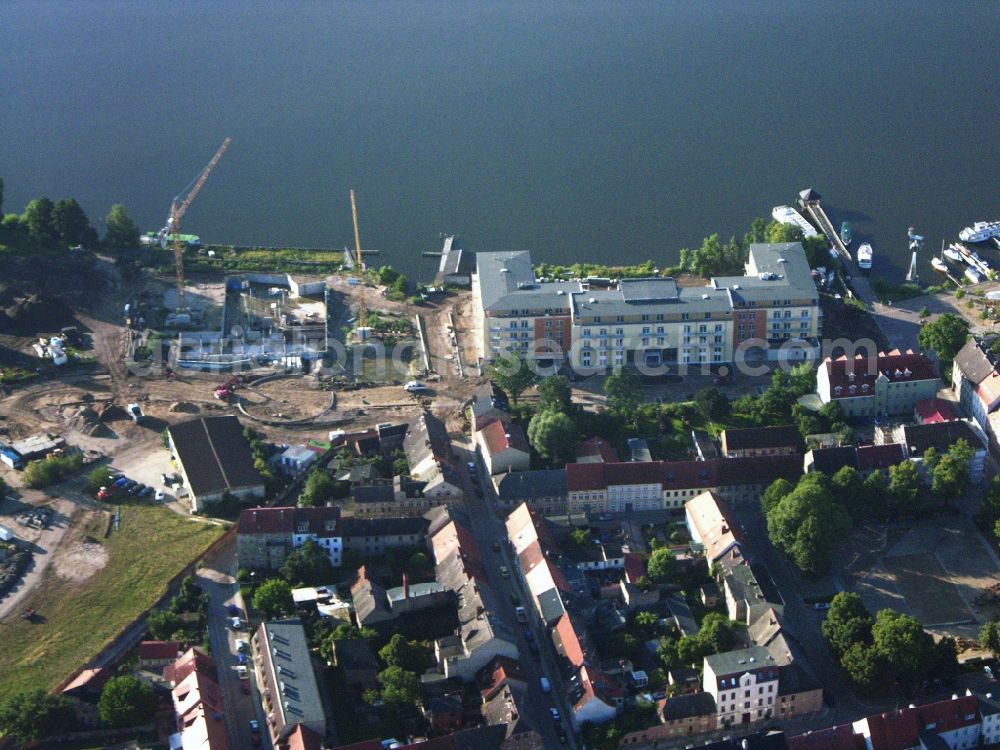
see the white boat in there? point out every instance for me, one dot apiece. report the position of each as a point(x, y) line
point(939, 265)
point(952, 254)
point(973, 275)
point(980, 231)
point(788, 215)
point(865, 257)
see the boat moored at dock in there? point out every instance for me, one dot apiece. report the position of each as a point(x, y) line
point(845, 233)
point(952, 254)
point(981, 231)
point(865, 254)
point(939, 265)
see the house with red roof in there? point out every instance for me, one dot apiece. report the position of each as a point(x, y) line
point(975, 379)
point(198, 702)
point(504, 447)
point(596, 450)
point(891, 383)
point(955, 723)
point(266, 536)
point(158, 654)
point(935, 410)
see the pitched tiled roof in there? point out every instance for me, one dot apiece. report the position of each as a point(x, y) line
point(157, 650)
point(939, 435)
point(498, 436)
point(973, 362)
point(841, 737)
point(215, 454)
point(427, 437)
point(871, 457)
point(572, 649)
point(714, 523)
point(681, 475)
point(399, 526)
point(635, 566)
point(597, 448)
point(935, 410)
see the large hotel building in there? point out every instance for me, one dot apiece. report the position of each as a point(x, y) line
point(771, 311)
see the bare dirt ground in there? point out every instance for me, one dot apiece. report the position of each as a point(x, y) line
point(80, 560)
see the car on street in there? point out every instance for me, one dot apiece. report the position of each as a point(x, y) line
point(241, 646)
point(528, 635)
point(245, 686)
point(554, 713)
point(254, 726)
point(521, 614)
point(414, 386)
point(546, 685)
point(233, 610)
point(159, 496)
point(241, 672)
point(821, 605)
point(236, 623)
point(504, 572)
point(241, 658)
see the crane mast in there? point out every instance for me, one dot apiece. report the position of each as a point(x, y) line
point(359, 260)
point(178, 208)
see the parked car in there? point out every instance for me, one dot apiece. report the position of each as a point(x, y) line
point(821, 605)
point(504, 572)
point(554, 713)
point(546, 685)
point(159, 497)
point(245, 686)
point(236, 623)
point(241, 672)
point(415, 386)
point(254, 726)
point(561, 734)
point(521, 614)
point(146, 491)
point(233, 610)
point(241, 645)
point(136, 489)
point(528, 635)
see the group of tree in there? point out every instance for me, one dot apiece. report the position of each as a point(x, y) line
point(774, 406)
point(320, 489)
point(51, 469)
point(398, 285)
point(805, 522)
point(513, 374)
point(32, 715)
point(874, 650)
point(829, 418)
point(553, 430)
point(127, 701)
point(718, 258)
point(716, 635)
point(988, 517)
point(309, 565)
point(662, 566)
point(945, 335)
point(183, 619)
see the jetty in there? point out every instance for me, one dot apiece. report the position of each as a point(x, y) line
point(809, 199)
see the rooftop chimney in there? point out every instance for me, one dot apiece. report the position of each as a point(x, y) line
point(406, 585)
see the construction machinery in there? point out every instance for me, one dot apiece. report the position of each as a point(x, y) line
point(181, 203)
point(359, 266)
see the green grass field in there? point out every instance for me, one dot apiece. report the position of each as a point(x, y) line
point(75, 620)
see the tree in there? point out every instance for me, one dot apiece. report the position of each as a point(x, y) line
point(778, 232)
point(904, 485)
point(946, 336)
point(273, 598)
point(553, 434)
point(1, 196)
point(126, 702)
point(581, 538)
point(387, 275)
point(863, 665)
point(512, 374)
point(29, 716)
point(757, 233)
point(775, 493)
point(930, 459)
point(102, 476)
point(949, 481)
point(319, 489)
point(847, 622)
point(989, 637)
point(717, 632)
point(309, 565)
point(661, 566)
point(848, 486)
point(405, 654)
point(646, 624)
point(903, 643)
point(712, 404)
point(163, 624)
point(555, 393)
point(875, 490)
point(808, 542)
point(622, 388)
point(944, 658)
point(121, 233)
point(37, 218)
point(399, 687)
point(69, 221)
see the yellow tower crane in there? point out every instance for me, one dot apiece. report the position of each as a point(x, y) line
point(360, 268)
point(178, 208)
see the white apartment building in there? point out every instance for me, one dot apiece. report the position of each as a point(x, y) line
point(744, 684)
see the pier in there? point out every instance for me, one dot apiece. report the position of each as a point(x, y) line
point(809, 200)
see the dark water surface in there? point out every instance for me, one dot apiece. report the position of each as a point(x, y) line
point(609, 132)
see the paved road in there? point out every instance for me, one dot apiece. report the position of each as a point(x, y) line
point(488, 527)
point(217, 579)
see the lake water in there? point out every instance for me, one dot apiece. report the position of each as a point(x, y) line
point(609, 132)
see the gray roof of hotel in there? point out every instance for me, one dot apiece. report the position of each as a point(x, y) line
point(297, 672)
point(517, 287)
point(733, 662)
point(616, 302)
point(649, 290)
point(528, 485)
point(786, 261)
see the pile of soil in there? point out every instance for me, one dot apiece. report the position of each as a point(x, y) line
point(86, 421)
point(184, 407)
point(28, 314)
point(109, 411)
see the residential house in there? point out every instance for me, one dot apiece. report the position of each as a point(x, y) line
point(198, 702)
point(709, 521)
point(506, 708)
point(934, 410)
point(681, 614)
point(499, 673)
point(744, 685)
point(975, 379)
point(296, 459)
point(376, 536)
point(885, 385)
point(285, 679)
point(666, 485)
point(266, 536)
point(415, 597)
point(953, 724)
point(783, 440)
point(532, 540)
point(489, 403)
point(503, 447)
point(215, 459)
point(544, 490)
point(745, 599)
point(428, 452)
point(863, 458)
point(591, 695)
point(401, 497)
point(155, 655)
point(324, 600)
point(481, 635)
point(371, 603)
point(357, 663)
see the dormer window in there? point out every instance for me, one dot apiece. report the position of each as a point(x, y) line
point(838, 390)
point(853, 389)
point(865, 388)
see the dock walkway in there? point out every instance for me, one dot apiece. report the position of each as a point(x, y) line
point(809, 200)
